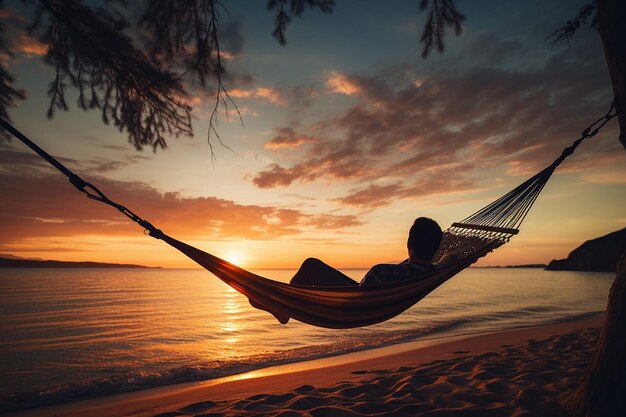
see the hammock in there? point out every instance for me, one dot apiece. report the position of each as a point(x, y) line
point(340, 307)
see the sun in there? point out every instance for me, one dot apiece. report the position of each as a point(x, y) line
point(235, 257)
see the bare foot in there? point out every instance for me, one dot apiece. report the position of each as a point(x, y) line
point(282, 319)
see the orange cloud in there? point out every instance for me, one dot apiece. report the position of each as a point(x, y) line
point(340, 83)
point(276, 176)
point(225, 55)
point(28, 46)
point(267, 94)
point(38, 202)
point(241, 93)
point(288, 138)
point(271, 95)
point(18, 39)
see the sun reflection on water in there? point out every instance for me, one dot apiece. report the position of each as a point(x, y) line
point(231, 308)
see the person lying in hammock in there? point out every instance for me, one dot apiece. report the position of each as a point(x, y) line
point(423, 242)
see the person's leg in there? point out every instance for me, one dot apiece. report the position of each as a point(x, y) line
point(313, 272)
point(282, 319)
point(316, 273)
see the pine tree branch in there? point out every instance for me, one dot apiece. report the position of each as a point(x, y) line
point(8, 93)
point(89, 51)
point(282, 16)
point(185, 34)
point(442, 14)
point(571, 26)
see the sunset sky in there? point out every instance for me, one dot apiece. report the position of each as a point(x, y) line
point(348, 136)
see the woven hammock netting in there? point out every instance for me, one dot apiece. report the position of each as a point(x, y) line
point(355, 306)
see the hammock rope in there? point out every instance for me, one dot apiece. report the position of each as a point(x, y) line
point(356, 306)
point(90, 190)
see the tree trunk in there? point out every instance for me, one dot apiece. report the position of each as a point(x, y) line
point(603, 392)
point(612, 28)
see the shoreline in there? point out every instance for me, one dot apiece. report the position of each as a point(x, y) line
point(327, 371)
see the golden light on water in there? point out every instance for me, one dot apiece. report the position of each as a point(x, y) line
point(231, 307)
point(232, 302)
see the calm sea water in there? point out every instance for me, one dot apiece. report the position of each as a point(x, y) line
point(68, 334)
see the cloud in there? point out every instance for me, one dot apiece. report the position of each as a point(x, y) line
point(437, 182)
point(28, 46)
point(287, 137)
point(267, 94)
point(372, 89)
point(10, 157)
point(371, 196)
point(103, 165)
point(340, 83)
point(17, 38)
point(332, 222)
point(272, 95)
point(276, 176)
point(241, 93)
point(246, 96)
point(111, 147)
point(38, 202)
point(454, 128)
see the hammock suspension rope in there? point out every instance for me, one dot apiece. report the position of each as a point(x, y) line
point(356, 306)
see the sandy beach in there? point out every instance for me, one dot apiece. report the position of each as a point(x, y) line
point(520, 372)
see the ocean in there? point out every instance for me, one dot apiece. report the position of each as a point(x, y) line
point(71, 334)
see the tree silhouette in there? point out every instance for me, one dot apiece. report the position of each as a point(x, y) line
point(442, 13)
point(602, 392)
point(89, 51)
point(134, 72)
point(282, 16)
point(8, 93)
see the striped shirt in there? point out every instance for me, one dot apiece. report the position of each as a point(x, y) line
point(385, 273)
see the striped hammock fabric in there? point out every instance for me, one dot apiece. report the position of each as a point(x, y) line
point(341, 307)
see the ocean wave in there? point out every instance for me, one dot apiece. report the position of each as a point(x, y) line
point(139, 380)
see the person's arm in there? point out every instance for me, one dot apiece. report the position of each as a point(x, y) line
point(373, 276)
point(448, 258)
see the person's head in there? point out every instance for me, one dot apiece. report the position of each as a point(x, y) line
point(424, 238)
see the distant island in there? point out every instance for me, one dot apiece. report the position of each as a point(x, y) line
point(31, 263)
point(600, 254)
point(542, 266)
